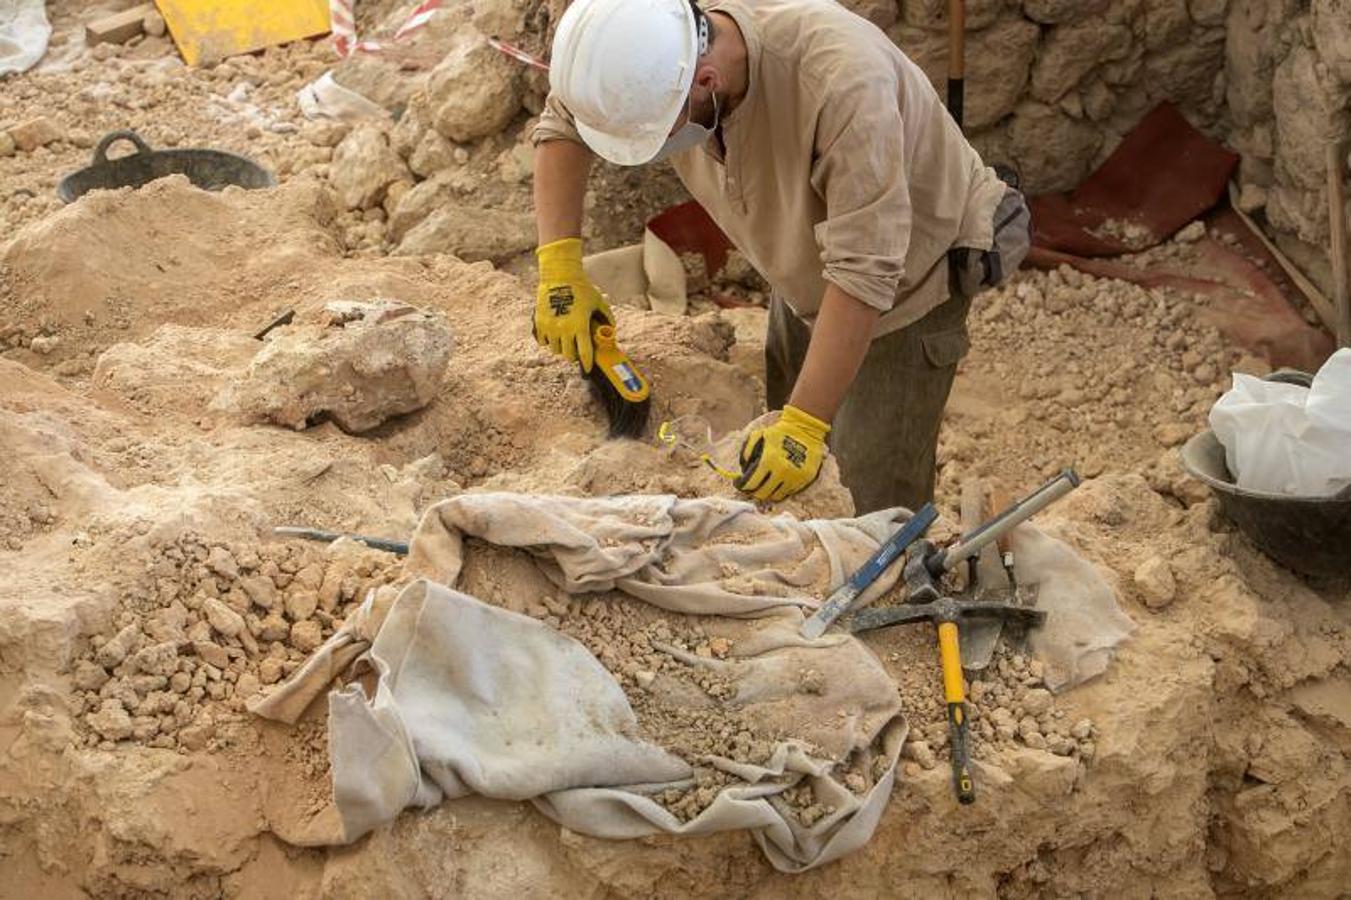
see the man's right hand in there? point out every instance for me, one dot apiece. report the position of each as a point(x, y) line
point(566, 302)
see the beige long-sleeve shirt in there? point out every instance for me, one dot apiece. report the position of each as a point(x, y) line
point(841, 164)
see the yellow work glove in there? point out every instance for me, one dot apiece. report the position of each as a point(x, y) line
point(781, 459)
point(566, 302)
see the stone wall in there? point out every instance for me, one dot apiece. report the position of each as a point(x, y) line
point(1052, 85)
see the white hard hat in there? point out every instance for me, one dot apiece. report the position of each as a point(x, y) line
point(623, 68)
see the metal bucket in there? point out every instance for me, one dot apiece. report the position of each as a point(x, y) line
point(1308, 534)
point(210, 170)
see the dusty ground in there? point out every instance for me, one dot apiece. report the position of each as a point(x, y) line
point(145, 599)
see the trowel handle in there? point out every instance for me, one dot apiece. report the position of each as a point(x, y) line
point(970, 544)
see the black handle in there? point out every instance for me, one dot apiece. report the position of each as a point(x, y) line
point(112, 137)
point(961, 754)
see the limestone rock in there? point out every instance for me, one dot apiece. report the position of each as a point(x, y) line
point(211, 653)
point(1191, 232)
point(301, 604)
point(432, 154)
point(471, 233)
point(502, 18)
point(116, 648)
point(274, 628)
point(364, 166)
point(1165, 22)
point(1052, 150)
point(1063, 12)
point(1071, 51)
point(1332, 36)
point(154, 24)
point(1252, 197)
point(1305, 109)
point(88, 676)
point(306, 636)
point(1154, 578)
point(222, 562)
point(372, 361)
point(158, 659)
point(998, 63)
point(1209, 12)
point(933, 14)
point(261, 590)
point(222, 618)
point(269, 671)
point(1249, 65)
point(111, 721)
point(1036, 701)
point(443, 188)
point(197, 735)
point(34, 133)
point(7, 145)
point(474, 91)
point(246, 686)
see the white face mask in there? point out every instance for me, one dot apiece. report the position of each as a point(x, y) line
point(689, 135)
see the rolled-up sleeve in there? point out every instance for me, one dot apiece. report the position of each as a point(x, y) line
point(859, 171)
point(555, 124)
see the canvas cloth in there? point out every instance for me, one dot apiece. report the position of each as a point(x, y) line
point(471, 698)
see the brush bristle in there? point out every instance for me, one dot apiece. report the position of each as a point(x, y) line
point(628, 419)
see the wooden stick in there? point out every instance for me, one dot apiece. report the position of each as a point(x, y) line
point(1341, 291)
point(117, 28)
point(1324, 307)
point(956, 60)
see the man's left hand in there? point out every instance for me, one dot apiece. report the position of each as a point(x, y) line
point(781, 459)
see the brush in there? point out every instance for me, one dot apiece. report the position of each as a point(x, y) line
point(621, 390)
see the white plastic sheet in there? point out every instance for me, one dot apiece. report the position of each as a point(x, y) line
point(1287, 439)
point(24, 31)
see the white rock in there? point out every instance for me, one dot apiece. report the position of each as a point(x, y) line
point(1191, 232)
point(377, 360)
point(1037, 701)
point(471, 233)
point(364, 166)
point(1154, 578)
point(222, 618)
point(474, 91)
point(111, 721)
point(306, 636)
point(116, 648)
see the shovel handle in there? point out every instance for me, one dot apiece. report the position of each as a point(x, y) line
point(950, 653)
point(956, 59)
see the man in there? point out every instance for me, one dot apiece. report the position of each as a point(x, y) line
point(826, 157)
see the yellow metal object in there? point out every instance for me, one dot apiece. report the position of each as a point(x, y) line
point(208, 31)
point(950, 654)
point(672, 434)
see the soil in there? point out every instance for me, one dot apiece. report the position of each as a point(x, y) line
point(147, 596)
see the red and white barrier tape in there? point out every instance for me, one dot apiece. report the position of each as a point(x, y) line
point(519, 54)
point(342, 21)
point(343, 24)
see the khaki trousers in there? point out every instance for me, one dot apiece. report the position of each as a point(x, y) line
point(885, 434)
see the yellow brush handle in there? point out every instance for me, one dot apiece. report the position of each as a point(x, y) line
point(950, 653)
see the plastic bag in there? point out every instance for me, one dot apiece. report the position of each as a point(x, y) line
point(23, 34)
point(1287, 439)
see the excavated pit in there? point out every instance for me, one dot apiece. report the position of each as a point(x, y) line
point(146, 600)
